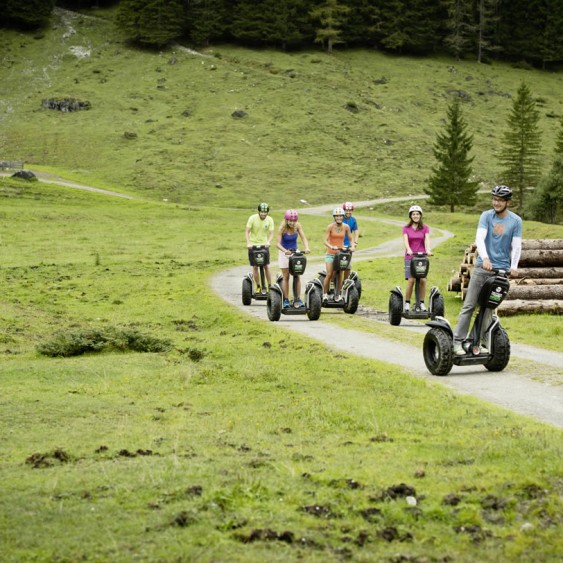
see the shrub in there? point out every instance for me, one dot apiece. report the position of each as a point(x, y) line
point(66, 344)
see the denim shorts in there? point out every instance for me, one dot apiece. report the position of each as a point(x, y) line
point(329, 258)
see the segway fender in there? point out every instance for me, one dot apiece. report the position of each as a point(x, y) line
point(275, 287)
point(398, 292)
point(311, 285)
point(250, 277)
point(441, 322)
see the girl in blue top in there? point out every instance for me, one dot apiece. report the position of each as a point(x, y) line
point(286, 242)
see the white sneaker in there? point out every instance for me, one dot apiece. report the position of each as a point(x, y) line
point(483, 350)
point(407, 307)
point(458, 349)
point(423, 308)
point(338, 299)
point(325, 296)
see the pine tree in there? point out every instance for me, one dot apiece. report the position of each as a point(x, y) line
point(487, 28)
point(451, 184)
point(547, 201)
point(521, 146)
point(28, 13)
point(206, 20)
point(330, 15)
point(559, 140)
point(461, 26)
point(151, 22)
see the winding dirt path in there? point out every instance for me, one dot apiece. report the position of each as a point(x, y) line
point(533, 388)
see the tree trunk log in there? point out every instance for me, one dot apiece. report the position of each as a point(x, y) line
point(549, 306)
point(541, 258)
point(537, 281)
point(455, 283)
point(543, 244)
point(535, 292)
point(538, 273)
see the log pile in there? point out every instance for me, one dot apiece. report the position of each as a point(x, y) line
point(537, 286)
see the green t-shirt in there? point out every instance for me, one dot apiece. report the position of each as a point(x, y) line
point(259, 229)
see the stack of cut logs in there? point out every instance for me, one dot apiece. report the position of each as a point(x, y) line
point(537, 286)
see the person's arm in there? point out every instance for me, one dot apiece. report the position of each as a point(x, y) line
point(351, 239)
point(516, 250)
point(247, 236)
point(407, 245)
point(278, 241)
point(356, 232)
point(482, 248)
point(270, 234)
point(303, 239)
point(427, 248)
point(327, 235)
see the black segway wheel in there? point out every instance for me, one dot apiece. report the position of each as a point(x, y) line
point(351, 305)
point(274, 306)
point(395, 309)
point(314, 310)
point(438, 308)
point(437, 351)
point(358, 284)
point(501, 351)
point(246, 291)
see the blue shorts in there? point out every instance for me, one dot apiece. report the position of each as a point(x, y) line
point(329, 258)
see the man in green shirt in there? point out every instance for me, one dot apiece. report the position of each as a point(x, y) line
point(259, 232)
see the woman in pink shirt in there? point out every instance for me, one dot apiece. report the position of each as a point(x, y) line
point(416, 236)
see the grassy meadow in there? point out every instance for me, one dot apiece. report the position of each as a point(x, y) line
point(238, 440)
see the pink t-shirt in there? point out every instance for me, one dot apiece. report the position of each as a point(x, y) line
point(416, 238)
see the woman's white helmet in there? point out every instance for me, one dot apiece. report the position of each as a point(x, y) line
point(338, 211)
point(414, 208)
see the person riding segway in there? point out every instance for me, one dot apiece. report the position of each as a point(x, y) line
point(416, 238)
point(259, 232)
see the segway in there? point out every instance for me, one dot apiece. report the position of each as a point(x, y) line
point(312, 304)
point(438, 342)
point(260, 256)
point(349, 293)
point(419, 269)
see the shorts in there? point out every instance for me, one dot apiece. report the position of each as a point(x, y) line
point(251, 256)
point(329, 258)
point(283, 261)
point(408, 273)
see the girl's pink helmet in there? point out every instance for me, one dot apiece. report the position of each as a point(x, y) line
point(291, 215)
point(348, 206)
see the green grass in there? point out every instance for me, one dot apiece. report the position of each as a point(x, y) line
point(243, 442)
point(297, 142)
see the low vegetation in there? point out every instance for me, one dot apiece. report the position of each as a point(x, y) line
point(229, 438)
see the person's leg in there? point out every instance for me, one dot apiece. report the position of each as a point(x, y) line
point(410, 285)
point(478, 278)
point(285, 282)
point(328, 277)
point(422, 289)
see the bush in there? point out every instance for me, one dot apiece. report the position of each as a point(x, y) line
point(66, 344)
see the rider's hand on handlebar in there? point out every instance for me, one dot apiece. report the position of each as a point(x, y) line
point(307, 251)
point(487, 264)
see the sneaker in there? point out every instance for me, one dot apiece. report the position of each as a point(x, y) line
point(298, 304)
point(483, 350)
point(258, 289)
point(423, 308)
point(407, 307)
point(338, 299)
point(325, 296)
point(458, 349)
point(286, 303)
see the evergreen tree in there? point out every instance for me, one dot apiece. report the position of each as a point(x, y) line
point(151, 22)
point(487, 28)
point(521, 150)
point(206, 20)
point(461, 26)
point(361, 24)
point(450, 183)
point(27, 13)
point(547, 201)
point(559, 140)
point(331, 15)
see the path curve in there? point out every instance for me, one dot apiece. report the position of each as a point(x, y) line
point(508, 389)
